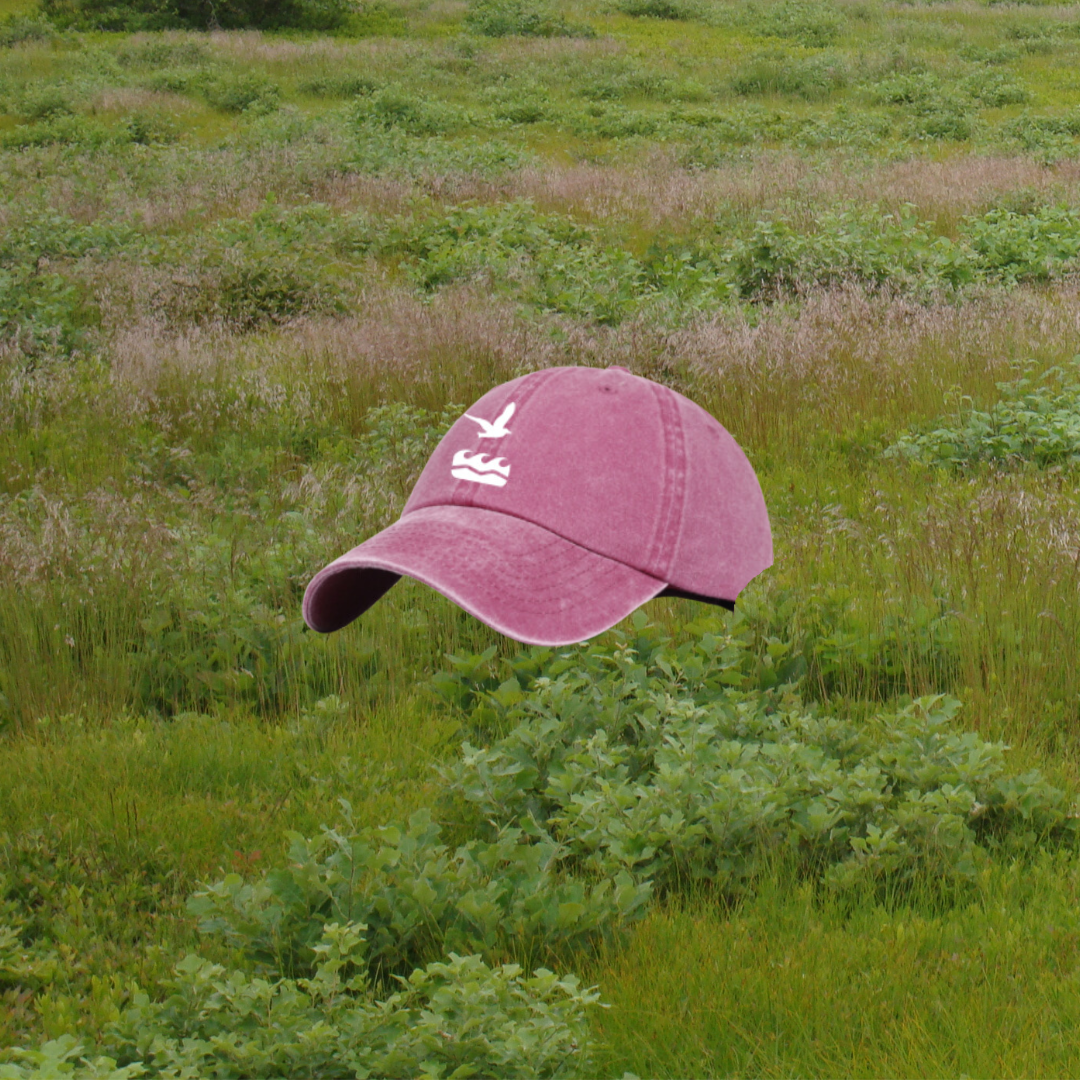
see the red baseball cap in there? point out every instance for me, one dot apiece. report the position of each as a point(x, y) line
point(559, 503)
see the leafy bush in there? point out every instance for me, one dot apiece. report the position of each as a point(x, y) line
point(676, 10)
point(420, 898)
point(162, 54)
point(268, 268)
point(520, 103)
point(126, 15)
point(134, 15)
point(812, 23)
point(40, 308)
point(945, 120)
point(1031, 422)
point(17, 29)
point(902, 252)
point(456, 1017)
point(1035, 37)
point(914, 88)
point(394, 107)
point(935, 113)
point(338, 86)
point(546, 259)
point(812, 79)
point(998, 54)
point(994, 89)
point(850, 244)
point(659, 761)
point(241, 92)
point(23, 963)
point(45, 101)
point(1016, 247)
point(1052, 138)
point(379, 150)
point(81, 131)
point(528, 18)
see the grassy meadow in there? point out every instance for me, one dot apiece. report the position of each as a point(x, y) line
point(248, 279)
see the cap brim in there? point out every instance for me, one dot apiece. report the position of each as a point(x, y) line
point(521, 579)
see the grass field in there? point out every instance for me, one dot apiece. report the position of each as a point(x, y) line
point(247, 280)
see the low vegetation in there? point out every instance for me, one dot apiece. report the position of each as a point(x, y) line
point(255, 260)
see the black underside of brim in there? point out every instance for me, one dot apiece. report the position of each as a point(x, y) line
point(685, 594)
point(355, 589)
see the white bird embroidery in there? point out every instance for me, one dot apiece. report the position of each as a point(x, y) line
point(497, 430)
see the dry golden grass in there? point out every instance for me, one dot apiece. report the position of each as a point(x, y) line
point(128, 99)
point(846, 352)
point(657, 195)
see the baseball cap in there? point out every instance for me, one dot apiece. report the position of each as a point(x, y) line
point(560, 502)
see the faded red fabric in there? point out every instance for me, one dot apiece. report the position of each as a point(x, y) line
point(554, 519)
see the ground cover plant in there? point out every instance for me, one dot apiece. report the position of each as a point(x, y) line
point(256, 259)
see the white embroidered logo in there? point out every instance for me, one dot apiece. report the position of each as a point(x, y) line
point(498, 429)
point(494, 472)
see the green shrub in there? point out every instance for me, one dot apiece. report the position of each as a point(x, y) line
point(42, 308)
point(520, 103)
point(348, 85)
point(546, 259)
point(666, 763)
point(269, 268)
point(378, 150)
point(26, 961)
point(675, 10)
point(1016, 247)
point(241, 92)
point(813, 79)
point(1052, 138)
point(895, 250)
point(813, 23)
point(135, 15)
point(84, 132)
point(505, 896)
point(1035, 37)
point(635, 765)
point(999, 54)
point(527, 18)
point(915, 88)
point(456, 1017)
point(394, 107)
point(176, 80)
point(995, 90)
point(945, 120)
point(126, 15)
point(154, 54)
point(1030, 423)
point(620, 78)
point(44, 101)
point(17, 29)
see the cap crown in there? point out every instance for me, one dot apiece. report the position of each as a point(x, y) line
point(617, 464)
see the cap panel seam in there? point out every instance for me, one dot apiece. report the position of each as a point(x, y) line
point(666, 531)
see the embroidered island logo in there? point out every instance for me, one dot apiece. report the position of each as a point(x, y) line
point(476, 467)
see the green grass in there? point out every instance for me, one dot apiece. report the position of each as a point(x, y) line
point(206, 306)
point(788, 985)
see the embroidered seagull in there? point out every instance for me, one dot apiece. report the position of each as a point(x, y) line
point(497, 430)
